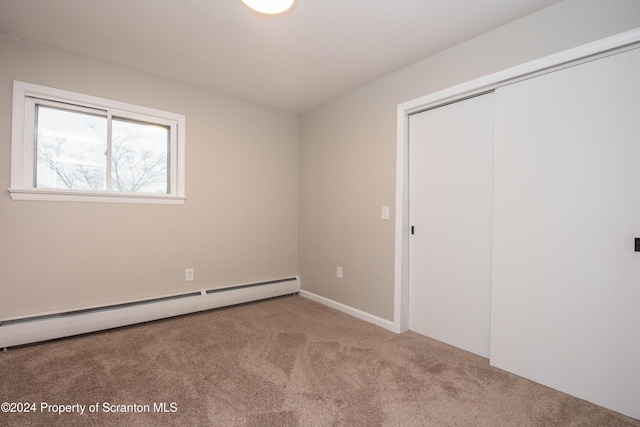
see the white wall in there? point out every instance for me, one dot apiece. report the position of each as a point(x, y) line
point(347, 147)
point(238, 224)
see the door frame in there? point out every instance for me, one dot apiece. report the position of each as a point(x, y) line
point(567, 58)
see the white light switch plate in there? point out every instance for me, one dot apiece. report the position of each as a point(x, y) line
point(385, 212)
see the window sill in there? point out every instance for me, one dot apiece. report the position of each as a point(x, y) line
point(81, 196)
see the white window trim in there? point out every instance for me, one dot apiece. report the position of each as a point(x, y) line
point(22, 153)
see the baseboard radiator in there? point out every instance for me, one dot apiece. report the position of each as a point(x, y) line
point(21, 330)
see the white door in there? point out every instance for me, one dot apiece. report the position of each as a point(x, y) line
point(566, 278)
point(450, 208)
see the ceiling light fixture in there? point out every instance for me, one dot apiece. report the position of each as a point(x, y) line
point(270, 7)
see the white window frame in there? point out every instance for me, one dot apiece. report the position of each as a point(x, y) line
point(23, 157)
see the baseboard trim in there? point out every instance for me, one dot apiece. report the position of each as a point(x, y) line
point(378, 321)
point(37, 327)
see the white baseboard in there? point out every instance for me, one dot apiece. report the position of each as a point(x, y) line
point(378, 321)
point(47, 326)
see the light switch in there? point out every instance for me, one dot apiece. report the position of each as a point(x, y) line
point(385, 212)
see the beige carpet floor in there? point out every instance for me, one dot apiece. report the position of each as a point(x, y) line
point(282, 362)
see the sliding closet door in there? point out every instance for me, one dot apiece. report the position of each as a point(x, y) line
point(566, 278)
point(451, 169)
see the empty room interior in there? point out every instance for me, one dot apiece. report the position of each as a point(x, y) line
point(362, 212)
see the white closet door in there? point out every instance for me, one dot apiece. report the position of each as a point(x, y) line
point(451, 169)
point(566, 279)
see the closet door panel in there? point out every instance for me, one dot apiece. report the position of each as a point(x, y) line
point(566, 279)
point(451, 171)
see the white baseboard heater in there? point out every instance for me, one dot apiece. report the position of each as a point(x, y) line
point(21, 330)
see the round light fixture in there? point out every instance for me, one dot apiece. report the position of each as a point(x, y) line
point(270, 7)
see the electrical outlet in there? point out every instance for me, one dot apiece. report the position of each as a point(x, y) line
point(339, 272)
point(188, 274)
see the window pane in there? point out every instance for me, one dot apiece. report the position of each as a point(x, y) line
point(70, 150)
point(139, 157)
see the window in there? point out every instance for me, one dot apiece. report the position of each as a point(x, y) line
point(73, 147)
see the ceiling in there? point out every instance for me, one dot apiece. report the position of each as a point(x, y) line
point(295, 61)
